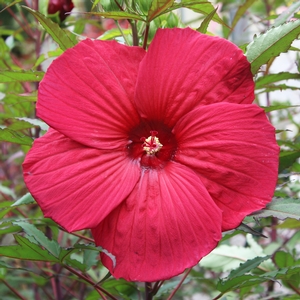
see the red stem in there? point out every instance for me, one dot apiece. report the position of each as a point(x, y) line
point(99, 289)
point(13, 290)
point(180, 283)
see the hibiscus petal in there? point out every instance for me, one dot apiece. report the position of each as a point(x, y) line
point(87, 93)
point(75, 185)
point(167, 224)
point(184, 68)
point(234, 151)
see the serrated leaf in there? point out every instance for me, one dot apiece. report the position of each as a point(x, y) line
point(62, 37)
point(282, 273)
point(204, 24)
point(202, 7)
point(90, 258)
point(225, 258)
point(247, 266)
point(26, 250)
point(271, 78)
point(26, 199)
point(281, 209)
point(39, 238)
point(16, 137)
point(21, 76)
point(116, 15)
point(287, 14)
point(277, 107)
point(34, 122)
point(240, 13)
point(239, 282)
point(157, 8)
point(270, 44)
point(279, 87)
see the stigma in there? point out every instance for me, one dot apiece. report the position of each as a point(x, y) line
point(151, 144)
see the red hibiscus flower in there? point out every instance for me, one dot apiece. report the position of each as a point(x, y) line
point(61, 6)
point(157, 152)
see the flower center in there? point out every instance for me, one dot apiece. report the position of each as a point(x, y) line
point(151, 144)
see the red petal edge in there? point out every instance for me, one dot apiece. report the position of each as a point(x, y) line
point(234, 151)
point(184, 68)
point(87, 93)
point(167, 224)
point(75, 185)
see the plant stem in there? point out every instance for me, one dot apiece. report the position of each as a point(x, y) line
point(135, 37)
point(180, 283)
point(99, 289)
point(157, 286)
point(148, 291)
point(13, 290)
point(146, 36)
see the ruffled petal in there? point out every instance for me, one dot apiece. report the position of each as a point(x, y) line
point(75, 185)
point(167, 224)
point(184, 69)
point(233, 149)
point(87, 93)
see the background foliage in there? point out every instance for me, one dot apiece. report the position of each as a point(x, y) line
point(39, 260)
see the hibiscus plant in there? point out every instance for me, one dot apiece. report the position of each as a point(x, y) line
point(149, 149)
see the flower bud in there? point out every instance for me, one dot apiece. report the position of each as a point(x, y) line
point(60, 6)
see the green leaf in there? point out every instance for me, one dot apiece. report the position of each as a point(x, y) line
point(9, 5)
point(26, 250)
point(47, 55)
point(241, 12)
point(277, 107)
point(39, 238)
point(202, 7)
point(263, 81)
point(225, 257)
point(113, 33)
point(289, 224)
point(33, 123)
point(5, 207)
point(282, 273)
point(239, 282)
point(279, 87)
point(16, 137)
point(271, 44)
point(281, 209)
point(26, 199)
point(120, 287)
point(116, 15)
point(90, 258)
point(21, 76)
point(287, 14)
point(247, 266)
point(287, 158)
point(158, 7)
point(283, 259)
point(63, 38)
point(204, 24)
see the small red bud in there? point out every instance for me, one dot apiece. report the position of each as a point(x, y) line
point(61, 6)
